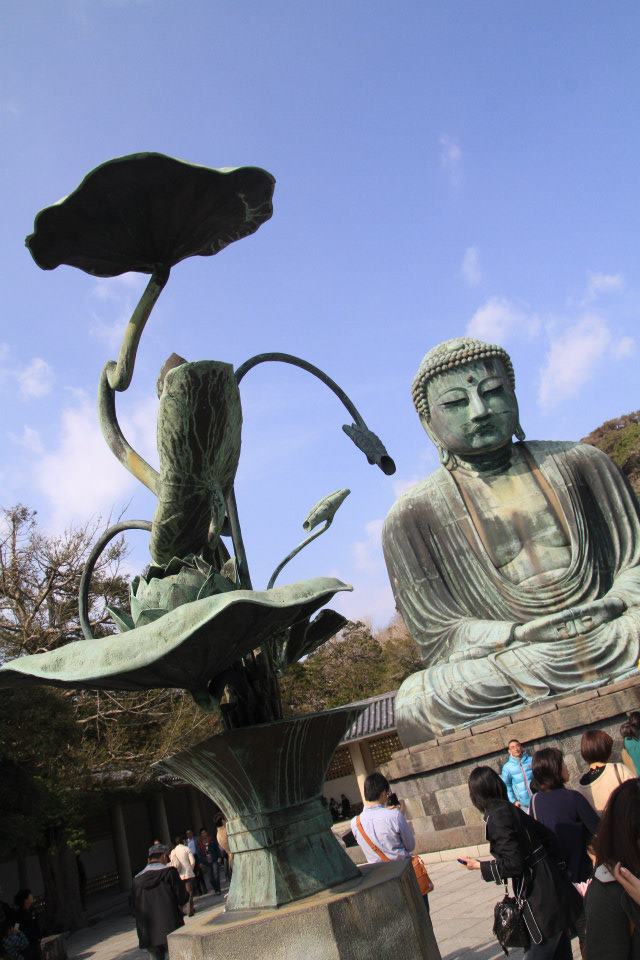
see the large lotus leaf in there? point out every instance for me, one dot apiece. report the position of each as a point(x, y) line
point(184, 649)
point(147, 211)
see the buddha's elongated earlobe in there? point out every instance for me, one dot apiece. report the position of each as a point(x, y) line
point(446, 458)
point(519, 432)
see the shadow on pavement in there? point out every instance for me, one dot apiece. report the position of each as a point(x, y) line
point(486, 951)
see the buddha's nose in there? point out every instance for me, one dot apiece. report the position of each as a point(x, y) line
point(479, 409)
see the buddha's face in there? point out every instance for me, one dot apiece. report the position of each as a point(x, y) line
point(472, 408)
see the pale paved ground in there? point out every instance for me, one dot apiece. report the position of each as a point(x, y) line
point(462, 913)
point(461, 910)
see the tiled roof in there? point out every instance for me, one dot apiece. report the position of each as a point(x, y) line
point(378, 717)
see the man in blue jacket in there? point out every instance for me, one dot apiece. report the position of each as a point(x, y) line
point(517, 775)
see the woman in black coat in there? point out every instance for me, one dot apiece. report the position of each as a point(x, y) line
point(565, 812)
point(527, 853)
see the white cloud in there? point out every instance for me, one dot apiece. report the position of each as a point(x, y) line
point(112, 302)
point(81, 478)
point(401, 486)
point(372, 599)
point(31, 440)
point(36, 380)
point(625, 347)
point(4, 354)
point(451, 158)
point(602, 283)
point(470, 268)
point(113, 288)
point(12, 106)
point(496, 319)
point(572, 358)
point(367, 553)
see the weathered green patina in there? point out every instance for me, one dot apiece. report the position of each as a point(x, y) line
point(194, 622)
point(516, 566)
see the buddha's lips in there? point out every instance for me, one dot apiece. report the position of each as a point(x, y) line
point(485, 428)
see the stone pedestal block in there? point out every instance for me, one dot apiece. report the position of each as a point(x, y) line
point(431, 778)
point(380, 914)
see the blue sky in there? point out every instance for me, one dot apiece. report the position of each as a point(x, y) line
point(441, 168)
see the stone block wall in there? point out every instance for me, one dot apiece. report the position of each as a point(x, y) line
point(431, 777)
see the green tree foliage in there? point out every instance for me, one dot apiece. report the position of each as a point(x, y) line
point(620, 440)
point(354, 665)
point(39, 579)
point(43, 775)
point(54, 742)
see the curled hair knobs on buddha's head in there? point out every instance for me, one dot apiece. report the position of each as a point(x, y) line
point(450, 354)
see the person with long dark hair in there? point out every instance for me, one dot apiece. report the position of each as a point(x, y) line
point(566, 812)
point(528, 854)
point(613, 918)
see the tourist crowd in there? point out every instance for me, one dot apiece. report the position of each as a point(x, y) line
point(572, 854)
point(162, 893)
point(164, 890)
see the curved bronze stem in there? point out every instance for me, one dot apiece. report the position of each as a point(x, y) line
point(278, 570)
point(358, 432)
point(116, 440)
point(119, 374)
point(89, 567)
point(364, 438)
point(242, 566)
point(304, 365)
point(116, 377)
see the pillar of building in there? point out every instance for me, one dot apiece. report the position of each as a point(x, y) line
point(359, 766)
point(120, 845)
point(195, 809)
point(369, 762)
point(160, 822)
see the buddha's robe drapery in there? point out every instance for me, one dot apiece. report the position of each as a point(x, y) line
point(462, 612)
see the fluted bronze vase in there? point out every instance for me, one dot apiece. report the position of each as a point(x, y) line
point(268, 782)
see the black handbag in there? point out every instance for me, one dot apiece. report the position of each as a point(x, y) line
point(509, 927)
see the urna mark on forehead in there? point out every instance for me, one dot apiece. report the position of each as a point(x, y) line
point(470, 374)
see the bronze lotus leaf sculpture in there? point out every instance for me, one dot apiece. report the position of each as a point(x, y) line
point(146, 212)
point(194, 620)
point(183, 646)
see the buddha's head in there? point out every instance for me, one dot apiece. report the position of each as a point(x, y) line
point(464, 392)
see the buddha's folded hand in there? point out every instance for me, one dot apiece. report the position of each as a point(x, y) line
point(569, 623)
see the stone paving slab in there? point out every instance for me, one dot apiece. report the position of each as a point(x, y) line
point(461, 910)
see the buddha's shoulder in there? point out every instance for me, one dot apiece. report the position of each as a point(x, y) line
point(425, 493)
point(566, 449)
point(549, 448)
